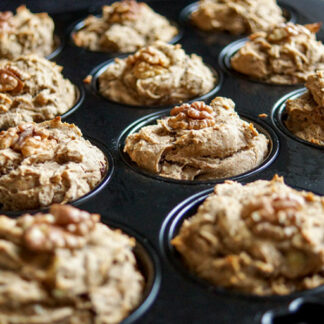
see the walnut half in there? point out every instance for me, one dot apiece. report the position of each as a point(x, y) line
point(123, 11)
point(197, 115)
point(10, 81)
point(64, 227)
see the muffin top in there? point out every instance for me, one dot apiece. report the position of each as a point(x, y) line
point(237, 16)
point(198, 142)
point(64, 266)
point(25, 33)
point(287, 54)
point(32, 89)
point(260, 238)
point(124, 26)
point(159, 74)
point(305, 114)
point(46, 163)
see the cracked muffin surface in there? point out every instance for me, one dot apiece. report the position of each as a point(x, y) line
point(33, 89)
point(237, 16)
point(66, 267)
point(159, 74)
point(305, 114)
point(286, 54)
point(47, 163)
point(198, 142)
point(260, 238)
point(124, 26)
point(25, 33)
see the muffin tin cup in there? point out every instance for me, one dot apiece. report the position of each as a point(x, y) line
point(78, 25)
point(58, 47)
point(105, 179)
point(288, 12)
point(224, 61)
point(279, 116)
point(261, 126)
point(171, 227)
point(148, 264)
point(80, 95)
point(100, 69)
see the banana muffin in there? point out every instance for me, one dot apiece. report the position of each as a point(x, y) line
point(237, 16)
point(124, 26)
point(305, 115)
point(198, 142)
point(47, 163)
point(159, 74)
point(25, 33)
point(32, 89)
point(286, 54)
point(65, 266)
point(260, 238)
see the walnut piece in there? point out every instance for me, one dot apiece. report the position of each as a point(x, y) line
point(5, 20)
point(64, 227)
point(148, 62)
point(196, 115)
point(10, 81)
point(123, 11)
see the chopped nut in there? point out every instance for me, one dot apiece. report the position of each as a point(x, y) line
point(197, 115)
point(123, 10)
point(10, 81)
point(313, 28)
point(263, 115)
point(87, 79)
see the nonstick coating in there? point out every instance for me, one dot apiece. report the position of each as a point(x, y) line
point(142, 203)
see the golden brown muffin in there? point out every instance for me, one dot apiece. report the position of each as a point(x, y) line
point(237, 16)
point(66, 267)
point(159, 74)
point(198, 142)
point(25, 33)
point(33, 89)
point(305, 115)
point(125, 26)
point(286, 54)
point(47, 163)
point(260, 238)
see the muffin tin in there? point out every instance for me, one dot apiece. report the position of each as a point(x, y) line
point(145, 204)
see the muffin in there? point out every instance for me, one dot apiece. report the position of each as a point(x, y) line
point(159, 74)
point(287, 54)
point(32, 89)
point(66, 267)
point(305, 114)
point(260, 238)
point(124, 26)
point(198, 142)
point(46, 163)
point(25, 33)
point(237, 16)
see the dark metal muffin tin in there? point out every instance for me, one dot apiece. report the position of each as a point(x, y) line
point(142, 204)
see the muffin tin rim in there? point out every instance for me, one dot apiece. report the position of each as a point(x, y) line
point(260, 125)
point(59, 44)
point(101, 68)
point(79, 24)
point(170, 227)
point(77, 202)
point(278, 114)
point(150, 294)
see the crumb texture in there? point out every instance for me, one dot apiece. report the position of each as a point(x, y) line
point(125, 26)
point(286, 54)
point(25, 33)
point(198, 142)
point(237, 16)
point(159, 74)
point(47, 163)
point(66, 267)
point(261, 238)
point(33, 89)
